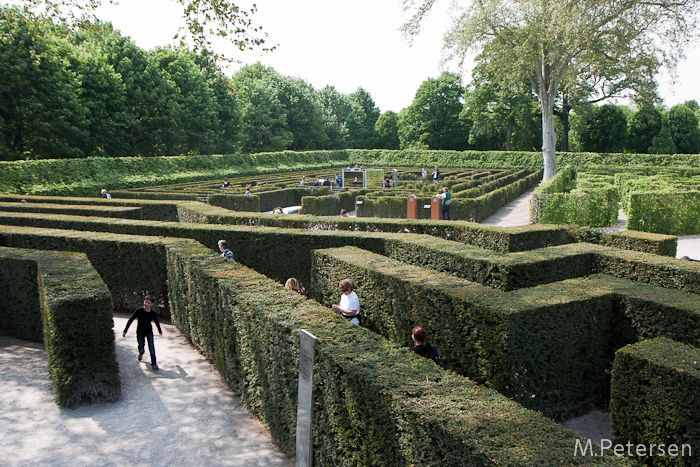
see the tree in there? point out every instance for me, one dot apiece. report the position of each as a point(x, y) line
point(304, 113)
point(264, 117)
point(337, 113)
point(500, 118)
point(41, 114)
point(604, 129)
point(362, 131)
point(550, 42)
point(432, 120)
point(683, 125)
point(663, 143)
point(205, 20)
point(196, 112)
point(643, 127)
point(387, 129)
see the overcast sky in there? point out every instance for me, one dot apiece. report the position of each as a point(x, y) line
point(345, 44)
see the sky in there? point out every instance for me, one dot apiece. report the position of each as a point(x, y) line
point(346, 45)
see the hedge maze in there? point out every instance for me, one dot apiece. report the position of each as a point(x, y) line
point(535, 323)
point(476, 194)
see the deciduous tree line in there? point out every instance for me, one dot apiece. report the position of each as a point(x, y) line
point(88, 91)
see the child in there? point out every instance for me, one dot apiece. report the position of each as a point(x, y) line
point(145, 314)
point(225, 252)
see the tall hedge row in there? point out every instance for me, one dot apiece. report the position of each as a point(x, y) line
point(131, 266)
point(674, 213)
point(74, 309)
point(654, 401)
point(85, 177)
point(374, 403)
point(547, 347)
point(282, 253)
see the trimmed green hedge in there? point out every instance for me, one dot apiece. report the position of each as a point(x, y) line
point(124, 212)
point(74, 309)
point(547, 347)
point(593, 203)
point(152, 210)
point(261, 248)
point(491, 238)
point(19, 295)
point(487, 199)
point(515, 159)
point(675, 213)
point(654, 400)
point(374, 404)
point(130, 266)
point(658, 244)
point(85, 177)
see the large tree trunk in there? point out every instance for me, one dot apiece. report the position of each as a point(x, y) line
point(545, 85)
point(509, 136)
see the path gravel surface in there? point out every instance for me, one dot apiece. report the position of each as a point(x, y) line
point(182, 415)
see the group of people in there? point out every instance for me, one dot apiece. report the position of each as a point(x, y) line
point(349, 308)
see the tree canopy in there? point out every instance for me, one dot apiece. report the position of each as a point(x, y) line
point(205, 21)
point(552, 42)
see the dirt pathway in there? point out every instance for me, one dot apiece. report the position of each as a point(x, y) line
point(182, 415)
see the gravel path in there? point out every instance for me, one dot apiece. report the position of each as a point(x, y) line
point(182, 415)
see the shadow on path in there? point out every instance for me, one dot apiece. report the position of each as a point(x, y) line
point(182, 415)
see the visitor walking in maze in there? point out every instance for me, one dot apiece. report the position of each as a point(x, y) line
point(349, 306)
point(144, 331)
point(436, 175)
point(445, 202)
point(423, 347)
point(105, 194)
point(225, 252)
point(226, 183)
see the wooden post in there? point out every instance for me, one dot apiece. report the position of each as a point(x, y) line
point(412, 207)
point(435, 208)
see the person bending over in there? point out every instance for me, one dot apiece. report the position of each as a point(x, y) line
point(349, 306)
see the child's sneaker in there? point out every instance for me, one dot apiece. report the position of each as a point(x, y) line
point(140, 356)
point(155, 367)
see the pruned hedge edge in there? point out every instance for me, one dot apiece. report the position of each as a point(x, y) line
point(547, 347)
point(74, 310)
point(374, 403)
point(654, 401)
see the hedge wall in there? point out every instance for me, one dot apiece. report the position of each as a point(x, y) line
point(152, 210)
point(375, 404)
point(130, 266)
point(262, 248)
point(85, 177)
point(19, 295)
point(467, 208)
point(547, 347)
point(491, 238)
point(593, 203)
point(515, 159)
point(75, 311)
point(654, 400)
point(123, 212)
point(668, 213)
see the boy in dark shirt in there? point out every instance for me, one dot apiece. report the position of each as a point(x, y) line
point(145, 314)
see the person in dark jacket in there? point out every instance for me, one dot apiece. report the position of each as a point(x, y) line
point(144, 331)
point(423, 347)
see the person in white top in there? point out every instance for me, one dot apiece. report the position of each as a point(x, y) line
point(349, 306)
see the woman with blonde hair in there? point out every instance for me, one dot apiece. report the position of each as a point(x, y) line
point(293, 284)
